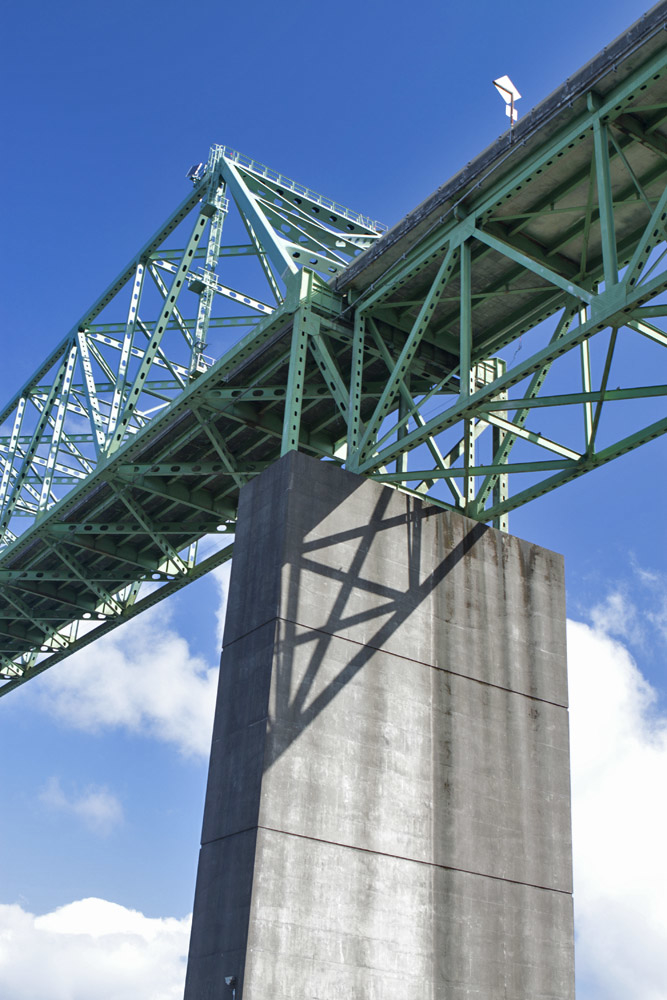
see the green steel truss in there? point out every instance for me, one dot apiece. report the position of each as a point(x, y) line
point(478, 354)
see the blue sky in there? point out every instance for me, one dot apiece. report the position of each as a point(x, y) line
point(376, 105)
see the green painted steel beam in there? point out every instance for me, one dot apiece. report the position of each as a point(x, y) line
point(418, 362)
point(149, 601)
point(575, 398)
point(607, 307)
point(605, 455)
point(199, 469)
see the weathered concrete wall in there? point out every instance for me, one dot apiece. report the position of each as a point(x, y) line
point(387, 813)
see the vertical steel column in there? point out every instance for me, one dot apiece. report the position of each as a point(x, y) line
point(126, 350)
point(9, 466)
point(58, 428)
point(466, 373)
point(356, 381)
point(500, 491)
point(304, 325)
point(465, 320)
point(403, 411)
point(97, 424)
point(585, 354)
point(219, 203)
point(606, 204)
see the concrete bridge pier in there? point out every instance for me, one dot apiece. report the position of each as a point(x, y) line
point(388, 806)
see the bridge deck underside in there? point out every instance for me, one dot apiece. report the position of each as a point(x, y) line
point(549, 213)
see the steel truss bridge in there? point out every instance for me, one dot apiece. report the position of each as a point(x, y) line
point(476, 354)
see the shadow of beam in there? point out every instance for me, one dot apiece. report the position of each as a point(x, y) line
point(293, 707)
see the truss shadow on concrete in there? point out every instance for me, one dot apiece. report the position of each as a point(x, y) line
point(298, 700)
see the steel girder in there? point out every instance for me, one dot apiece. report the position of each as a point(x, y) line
point(478, 354)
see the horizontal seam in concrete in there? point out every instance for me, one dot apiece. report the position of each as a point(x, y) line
point(228, 836)
point(384, 854)
point(399, 656)
point(250, 631)
point(415, 861)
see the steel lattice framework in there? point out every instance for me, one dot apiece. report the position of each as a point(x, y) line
point(425, 357)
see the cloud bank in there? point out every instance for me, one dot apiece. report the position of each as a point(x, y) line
point(97, 807)
point(145, 679)
point(91, 950)
point(142, 678)
point(619, 807)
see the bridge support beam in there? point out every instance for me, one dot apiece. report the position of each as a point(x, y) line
point(387, 813)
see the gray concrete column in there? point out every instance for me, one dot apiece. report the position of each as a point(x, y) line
point(388, 805)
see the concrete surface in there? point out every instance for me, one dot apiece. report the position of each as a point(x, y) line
point(387, 811)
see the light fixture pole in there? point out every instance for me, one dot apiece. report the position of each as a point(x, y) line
point(509, 94)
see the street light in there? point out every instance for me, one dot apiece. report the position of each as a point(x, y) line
point(509, 94)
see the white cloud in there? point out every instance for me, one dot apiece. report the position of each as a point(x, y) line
point(619, 767)
point(142, 678)
point(220, 575)
point(91, 950)
point(99, 808)
point(641, 619)
point(617, 615)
